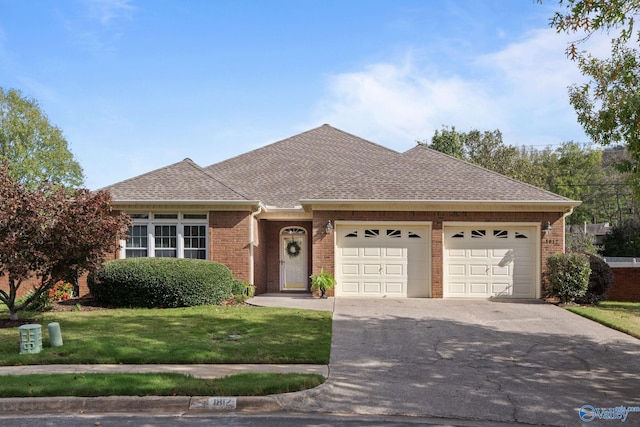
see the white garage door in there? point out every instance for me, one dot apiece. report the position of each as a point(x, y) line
point(380, 260)
point(490, 261)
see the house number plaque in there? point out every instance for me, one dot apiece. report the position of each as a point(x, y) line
point(222, 403)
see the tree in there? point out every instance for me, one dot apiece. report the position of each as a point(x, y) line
point(35, 150)
point(623, 240)
point(485, 149)
point(52, 233)
point(448, 141)
point(608, 104)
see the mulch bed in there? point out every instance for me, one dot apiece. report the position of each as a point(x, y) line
point(76, 304)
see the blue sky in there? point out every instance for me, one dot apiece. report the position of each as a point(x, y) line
point(136, 85)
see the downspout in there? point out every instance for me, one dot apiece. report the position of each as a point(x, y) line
point(251, 245)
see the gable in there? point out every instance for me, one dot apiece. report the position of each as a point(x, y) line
point(182, 181)
point(283, 173)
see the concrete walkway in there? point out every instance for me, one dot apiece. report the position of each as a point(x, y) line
point(197, 370)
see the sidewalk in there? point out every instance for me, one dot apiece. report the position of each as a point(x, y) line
point(200, 371)
point(168, 404)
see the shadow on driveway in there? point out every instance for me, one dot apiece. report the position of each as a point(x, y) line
point(511, 362)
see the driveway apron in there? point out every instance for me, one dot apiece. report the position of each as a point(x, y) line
point(515, 362)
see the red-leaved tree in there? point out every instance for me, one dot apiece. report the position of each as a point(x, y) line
point(52, 233)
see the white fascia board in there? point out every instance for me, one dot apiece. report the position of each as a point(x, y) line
point(188, 202)
point(564, 204)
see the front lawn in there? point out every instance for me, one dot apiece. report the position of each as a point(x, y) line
point(622, 316)
point(206, 334)
point(92, 385)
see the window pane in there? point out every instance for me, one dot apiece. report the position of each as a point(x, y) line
point(195, 241)
point(137, 237)
point(165, 241)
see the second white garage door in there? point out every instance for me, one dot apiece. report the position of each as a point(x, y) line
point(487, 260)
point(382, 259)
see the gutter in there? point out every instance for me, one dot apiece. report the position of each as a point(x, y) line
point(251, 245)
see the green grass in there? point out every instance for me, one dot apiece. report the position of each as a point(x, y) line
point(91, 385)
point(622, 316)
point(182, 335)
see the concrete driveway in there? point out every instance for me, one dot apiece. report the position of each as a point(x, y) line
point(513, 362)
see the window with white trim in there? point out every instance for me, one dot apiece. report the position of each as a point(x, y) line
point(137, 244)
point(195, 241)
point(167, 235)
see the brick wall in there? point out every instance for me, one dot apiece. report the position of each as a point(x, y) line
point(229, 241)
point(323, 244)
point(626, 284)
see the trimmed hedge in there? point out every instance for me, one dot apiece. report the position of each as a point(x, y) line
point(161, 282)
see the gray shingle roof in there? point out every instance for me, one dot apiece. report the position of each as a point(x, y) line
point(428, 175)
point(283, 173)
point(182, 181)
point(327, 164)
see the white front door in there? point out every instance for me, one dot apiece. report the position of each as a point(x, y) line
point(293, 259)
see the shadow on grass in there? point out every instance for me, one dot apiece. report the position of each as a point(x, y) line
point(185, 335)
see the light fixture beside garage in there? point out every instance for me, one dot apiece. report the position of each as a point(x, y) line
point(548, 229)
point(329, 227)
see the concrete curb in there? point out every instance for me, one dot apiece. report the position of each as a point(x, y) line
point(129, 404)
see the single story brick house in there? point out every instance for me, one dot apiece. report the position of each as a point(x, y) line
point(387, 224)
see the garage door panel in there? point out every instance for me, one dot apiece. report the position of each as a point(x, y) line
point(478, 253)
point(372, 287)
point(456, 253)
point(394, 270)
point(371, 269)
point(457, 269)
point(393, 288)
point(350, 269)
point(501, 288)
point(383, 260)
point(371, 252)
point(496, 270)
point(394, 252)
point(478, 288)
point(487, 260)
point(457, 288)
point(478, 270)
point(349, 252)
point(352, 288)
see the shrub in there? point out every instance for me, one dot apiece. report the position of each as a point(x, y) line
point(161, 282)
point(42, 303)
point(241, 291)
point(61, 291)
point(568, 276)
point(600, 279)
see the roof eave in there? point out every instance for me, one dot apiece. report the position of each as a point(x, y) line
point(243, 203)
point(480, 204)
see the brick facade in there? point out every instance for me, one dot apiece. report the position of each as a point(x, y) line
point(626, 284)
point(229, 241)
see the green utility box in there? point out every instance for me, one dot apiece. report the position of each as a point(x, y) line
point(30, 338)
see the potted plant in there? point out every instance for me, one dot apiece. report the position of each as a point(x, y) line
point(322, 282)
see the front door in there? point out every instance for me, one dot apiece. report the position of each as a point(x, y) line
point(293, 259)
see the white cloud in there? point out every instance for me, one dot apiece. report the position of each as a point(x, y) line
point(521, 90)
point(106, 11)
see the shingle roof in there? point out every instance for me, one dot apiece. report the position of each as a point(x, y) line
point(327, 164)
point(182, 181)
point(283, 173)
point(428, 175)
